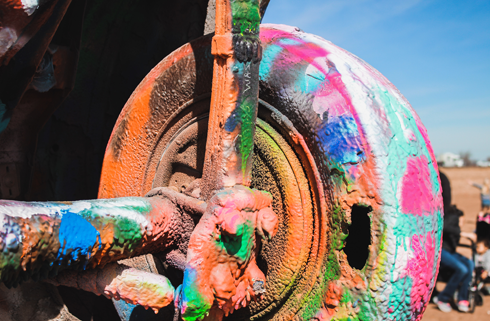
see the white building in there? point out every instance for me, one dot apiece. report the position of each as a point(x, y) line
point(450, 160)
point(482, 163)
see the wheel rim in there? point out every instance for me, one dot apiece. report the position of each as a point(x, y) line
point(369, 151)
point(291, 261)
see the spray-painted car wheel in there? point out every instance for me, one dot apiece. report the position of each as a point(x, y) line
point(348, 162)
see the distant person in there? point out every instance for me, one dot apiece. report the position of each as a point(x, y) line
point(483, 225)
point(446, 191)
point(461, 266)
point(482, 258)
point(484, 193)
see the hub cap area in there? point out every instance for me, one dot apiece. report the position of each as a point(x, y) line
point(290, 260)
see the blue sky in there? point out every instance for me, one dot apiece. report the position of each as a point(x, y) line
point(436, 52)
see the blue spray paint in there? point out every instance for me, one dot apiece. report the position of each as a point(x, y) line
point(340, 137)
point(269, 57)
point(77, 236)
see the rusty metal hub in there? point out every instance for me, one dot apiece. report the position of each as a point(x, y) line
point(280, 166)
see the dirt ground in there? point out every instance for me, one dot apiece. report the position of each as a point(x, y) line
point(467, 198)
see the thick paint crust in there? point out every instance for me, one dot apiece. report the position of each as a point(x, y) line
point(370, 149)
point(221, 267)
point(373, 138)
point(121, 282)
point(39, 239)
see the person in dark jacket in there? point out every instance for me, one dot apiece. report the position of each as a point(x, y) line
point(461, 266)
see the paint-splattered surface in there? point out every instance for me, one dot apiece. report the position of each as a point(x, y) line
point(38, 240)
point(221, 264)
point(376, 143)
point(369, 147)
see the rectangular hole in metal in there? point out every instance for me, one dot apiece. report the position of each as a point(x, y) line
point(359, 238)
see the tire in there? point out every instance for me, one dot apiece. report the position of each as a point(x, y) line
point(348, 161)
point(479, 299)
point(472, 299)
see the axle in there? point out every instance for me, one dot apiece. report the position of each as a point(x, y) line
point(37, 240)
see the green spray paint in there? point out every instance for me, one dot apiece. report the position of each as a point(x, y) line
point(127, 233)
point(195, 305)
point(241, 244)
point(332, 271)
point(247, 117)
point(244, 116)
point(368, 309)
point(246, 16)
point(245, 22)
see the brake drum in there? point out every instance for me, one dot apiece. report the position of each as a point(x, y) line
point(346, 158)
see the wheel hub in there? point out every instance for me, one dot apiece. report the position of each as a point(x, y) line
point(177, 161)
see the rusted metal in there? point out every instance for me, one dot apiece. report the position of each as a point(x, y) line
point(46, 83)
point(237, 50)
point(318, 158)
point(40, 239)
point(16, 76)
